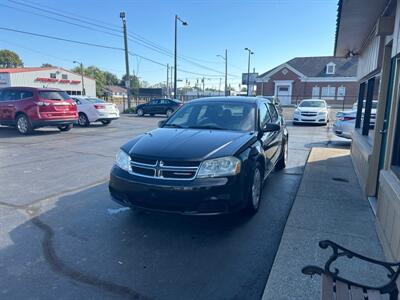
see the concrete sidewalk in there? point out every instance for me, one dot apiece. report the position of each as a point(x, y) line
point(329, 205)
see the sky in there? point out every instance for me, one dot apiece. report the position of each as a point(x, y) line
point(276, 31)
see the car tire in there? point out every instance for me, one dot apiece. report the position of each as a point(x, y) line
point(105, 122)
point(294, 123)
point(255, 190)
point(65, 127)
point(23, 124)
point(282, 162)
point(140, 112)
point(169, 112)
point(83, 120)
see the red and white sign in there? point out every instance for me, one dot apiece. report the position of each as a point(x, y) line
point(65, 81)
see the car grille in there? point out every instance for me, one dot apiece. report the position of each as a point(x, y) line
point(308, 114)
point(164, 169)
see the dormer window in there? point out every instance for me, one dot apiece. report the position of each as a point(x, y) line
point(330, 68)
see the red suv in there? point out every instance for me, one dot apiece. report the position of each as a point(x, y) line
point(29, 108)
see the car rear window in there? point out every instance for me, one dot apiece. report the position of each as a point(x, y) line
point(96, 100)
point(54, 95)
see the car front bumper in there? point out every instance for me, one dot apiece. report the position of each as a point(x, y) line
point(315, 120)
point(343, 129)
point(208, 196)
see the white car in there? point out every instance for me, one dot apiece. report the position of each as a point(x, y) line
point(311, 111)
point(346, 120)
point(92, 109)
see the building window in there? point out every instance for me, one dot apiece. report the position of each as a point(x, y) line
point(330, 68)
point(341, 93)
point(53, 75)
point(316, 91)
point(64, 76)
point(396, 147)
point(328, 92)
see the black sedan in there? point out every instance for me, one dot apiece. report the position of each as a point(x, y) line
point(210, 157)
point(158, 106)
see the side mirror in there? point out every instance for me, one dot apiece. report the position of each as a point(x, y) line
point(271, 127)
point(161, 123)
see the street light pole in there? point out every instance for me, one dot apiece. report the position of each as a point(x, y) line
point(127, 81)
point(83, 84)
point(248, 71)
point(225, 58)
point(175, 52)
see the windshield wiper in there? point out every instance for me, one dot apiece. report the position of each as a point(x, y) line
point(207, 127)
point(174, 126)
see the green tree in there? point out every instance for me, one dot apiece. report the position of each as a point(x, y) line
point(47, 65)
point(10, 59)
point(111, 79)
point(97, 74)
point(134, 81)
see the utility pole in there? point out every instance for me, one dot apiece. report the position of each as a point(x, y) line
point(127, 81)
point(175, 52)
point(203, 85)
point(219, 88)
point(83, 83)
point(248, 71)
point(168, 80)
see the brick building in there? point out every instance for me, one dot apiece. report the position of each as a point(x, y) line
point(330, 78)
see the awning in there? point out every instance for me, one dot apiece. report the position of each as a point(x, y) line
point(356, 19)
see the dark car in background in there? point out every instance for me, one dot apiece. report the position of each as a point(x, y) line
point(158, 106)
point(210, 157)
point(29, 108)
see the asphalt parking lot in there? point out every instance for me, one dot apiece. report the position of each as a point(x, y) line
point(61, 237)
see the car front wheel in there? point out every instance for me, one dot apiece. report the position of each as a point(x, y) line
point(105, 122)
point(83, 120)
point(65, 127)
point(140, 112)
point(255, 190)
point(24, 125)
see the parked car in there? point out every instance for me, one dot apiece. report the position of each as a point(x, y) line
point(311, 111)
point(275, 100)
point(210, 157)
point(158, 106)
point(346, 120)
point(30, 108)
point(92, 109)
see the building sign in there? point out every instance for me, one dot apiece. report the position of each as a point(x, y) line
point(252, 78)
point(65, 81)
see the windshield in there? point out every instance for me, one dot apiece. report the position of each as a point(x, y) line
point(54, 95)
point(96, 100)
point(312, 104)
point(215, 115)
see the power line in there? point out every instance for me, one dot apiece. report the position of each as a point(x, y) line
point(60, 39)
point(133, 36)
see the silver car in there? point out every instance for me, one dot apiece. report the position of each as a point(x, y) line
point(346, 120)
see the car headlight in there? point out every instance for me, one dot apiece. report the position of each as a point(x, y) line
point(223, 166)
point(322, 112)
point(296, 111)
point(123, 160)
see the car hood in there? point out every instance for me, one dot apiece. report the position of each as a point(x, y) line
point(188, 144)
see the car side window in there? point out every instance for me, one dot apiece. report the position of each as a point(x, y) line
point(264, 115)
point(10, 95)
point(77, 101)
point(273, 112)
point(25, 94)
point(164, 102)
point(154, 102)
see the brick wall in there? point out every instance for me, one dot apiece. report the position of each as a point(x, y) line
point(303, 90)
